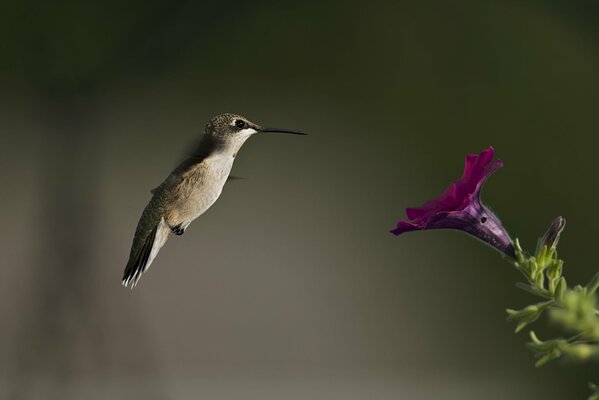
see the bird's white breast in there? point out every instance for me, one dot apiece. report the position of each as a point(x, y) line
point(219, 167)
point(208, 185)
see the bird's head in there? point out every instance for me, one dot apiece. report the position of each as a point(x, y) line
point(232, 128)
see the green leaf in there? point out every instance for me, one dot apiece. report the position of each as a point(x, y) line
point(521, 325)
point(528, 288)
point(593, 284)
point(534, 338)
point(541, 255)
point(581, 351)
point(540, 281)
point(545, 346)
point(560, 290)
point(554, 271)
point(594, 388)
point(555, 353)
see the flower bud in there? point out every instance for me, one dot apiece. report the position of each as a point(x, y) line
point(551, 237)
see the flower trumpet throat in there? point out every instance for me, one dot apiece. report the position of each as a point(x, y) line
point(460, 207)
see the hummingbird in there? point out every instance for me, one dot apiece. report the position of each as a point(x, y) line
point(190, 190)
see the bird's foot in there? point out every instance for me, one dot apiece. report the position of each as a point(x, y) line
point(178, 230)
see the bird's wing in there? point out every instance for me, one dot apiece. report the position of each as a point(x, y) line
point(150, 235)
point(152, 230)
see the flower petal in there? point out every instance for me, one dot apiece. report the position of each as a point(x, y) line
point(459, 194)
point(403, 226)
point(459, 207)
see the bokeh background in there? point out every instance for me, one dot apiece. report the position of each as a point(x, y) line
point(290, 287)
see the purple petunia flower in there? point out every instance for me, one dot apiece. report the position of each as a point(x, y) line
point(459, 207)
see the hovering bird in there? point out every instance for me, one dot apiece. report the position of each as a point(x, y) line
point(190, 189)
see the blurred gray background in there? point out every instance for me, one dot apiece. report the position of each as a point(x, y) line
point(290, 287)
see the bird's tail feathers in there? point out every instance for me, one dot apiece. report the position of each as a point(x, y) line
point(140, 261)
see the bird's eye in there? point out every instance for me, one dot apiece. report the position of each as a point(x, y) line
point(483, 220)
point(240, 124)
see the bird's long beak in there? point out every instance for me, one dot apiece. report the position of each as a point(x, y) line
point(278, 130)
